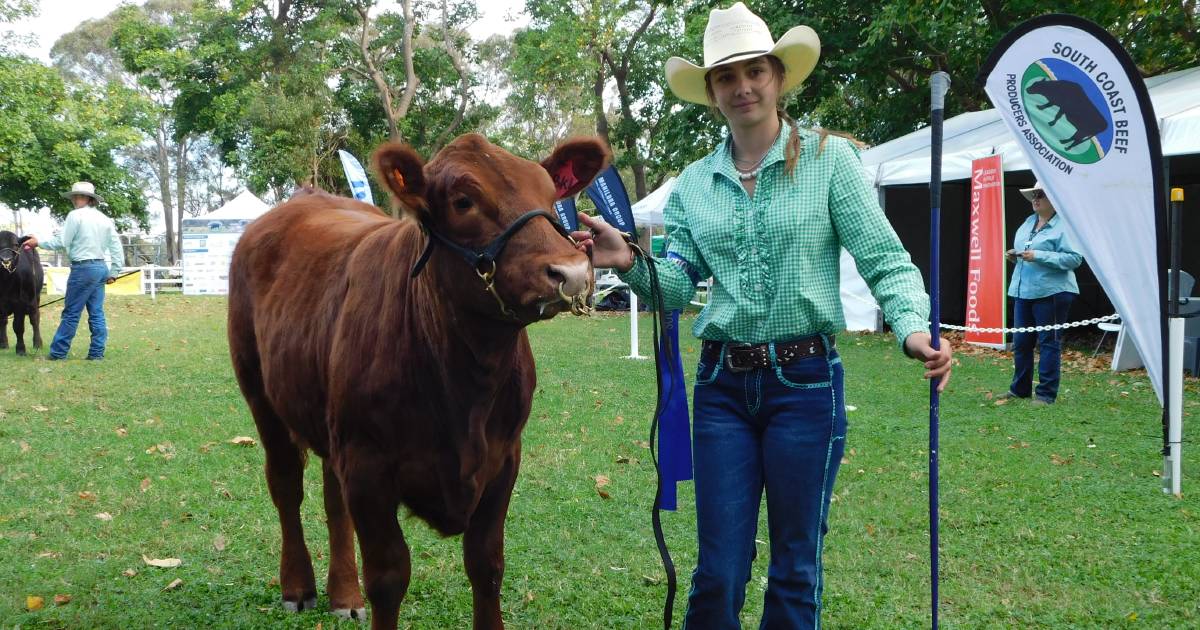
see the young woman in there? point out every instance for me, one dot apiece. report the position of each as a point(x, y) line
point(765, 215)
point(1042, 287)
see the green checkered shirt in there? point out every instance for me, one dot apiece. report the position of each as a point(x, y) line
point(775, 258)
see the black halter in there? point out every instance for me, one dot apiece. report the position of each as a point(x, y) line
point(481, 259)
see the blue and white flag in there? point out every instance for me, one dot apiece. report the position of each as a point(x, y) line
point(608, 193)
point(357, 177)
point(567, 214)
point(674, 433)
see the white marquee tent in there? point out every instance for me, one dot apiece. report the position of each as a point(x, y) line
point(973, 135)
point(208, 243)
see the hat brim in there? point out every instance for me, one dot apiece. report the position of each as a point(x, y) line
point(1028, 192)
point(79, 193)
point(798, 49)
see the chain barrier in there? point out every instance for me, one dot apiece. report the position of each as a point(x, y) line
point(1027, 329)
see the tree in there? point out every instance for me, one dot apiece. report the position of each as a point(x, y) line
point(52, 135)
point(84, 55)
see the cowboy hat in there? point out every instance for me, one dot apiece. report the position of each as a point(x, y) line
point(737, 34)
point(85, 189)
point(1028, 192)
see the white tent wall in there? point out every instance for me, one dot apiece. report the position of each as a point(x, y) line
point(900, 169)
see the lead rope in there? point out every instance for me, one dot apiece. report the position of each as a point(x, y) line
point(661, 341)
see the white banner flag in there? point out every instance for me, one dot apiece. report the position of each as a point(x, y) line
point(357, 176)
point(1081, 113)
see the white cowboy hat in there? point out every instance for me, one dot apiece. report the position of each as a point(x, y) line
point(1028, 192)
point(85, 189)
point(737, 34)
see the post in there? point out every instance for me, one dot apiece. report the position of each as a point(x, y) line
point(939, 84)
point(633, 326)
point(1173, 457)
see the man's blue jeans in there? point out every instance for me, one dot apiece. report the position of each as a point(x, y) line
point(85, 289)
point(782, 429)
point(1051, 309)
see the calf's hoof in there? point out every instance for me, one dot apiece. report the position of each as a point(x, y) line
point(359, 614)
point(307, 604)
point(21, 352)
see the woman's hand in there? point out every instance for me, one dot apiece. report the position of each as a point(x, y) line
point(937, 362)
point(1026, 255)
point(609, 248)
point(1010, 255)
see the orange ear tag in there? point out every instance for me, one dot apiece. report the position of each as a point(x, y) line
point(398, 177)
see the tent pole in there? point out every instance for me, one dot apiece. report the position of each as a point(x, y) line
point(1172, 460)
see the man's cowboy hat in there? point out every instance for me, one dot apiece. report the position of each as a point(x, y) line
point(736, 34)
point(1028, 192)
point(85, 189)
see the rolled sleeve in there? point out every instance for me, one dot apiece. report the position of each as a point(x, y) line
point(865, 232)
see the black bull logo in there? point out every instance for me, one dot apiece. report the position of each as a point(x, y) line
point(1073, 103)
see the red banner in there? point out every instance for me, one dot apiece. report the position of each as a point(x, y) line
point(985, 249)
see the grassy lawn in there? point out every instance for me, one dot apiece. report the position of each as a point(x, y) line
point(1052, 517)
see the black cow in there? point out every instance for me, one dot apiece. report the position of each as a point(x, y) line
point(1073, 103)
point(20, 290)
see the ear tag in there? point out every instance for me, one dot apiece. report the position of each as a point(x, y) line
point(399, 177)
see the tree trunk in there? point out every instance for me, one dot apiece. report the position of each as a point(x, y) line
point(598, 102)
point(181, 176)
point(163, 171)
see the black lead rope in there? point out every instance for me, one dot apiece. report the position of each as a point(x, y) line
point(662, 342)
point(57, 300)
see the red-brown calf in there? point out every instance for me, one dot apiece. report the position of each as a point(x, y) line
point(413, 389)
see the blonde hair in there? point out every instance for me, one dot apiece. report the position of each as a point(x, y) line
point(793, 148)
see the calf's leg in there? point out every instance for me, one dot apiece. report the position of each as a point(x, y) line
point(345, 599)
point(387, 566)
point(35, 320)
point(483, 546)
point(3, 331)
point(19, 330)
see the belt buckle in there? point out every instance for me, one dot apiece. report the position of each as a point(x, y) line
point(729, 363)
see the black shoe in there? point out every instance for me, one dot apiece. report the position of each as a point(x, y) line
point(95, 358)
point(51, 357)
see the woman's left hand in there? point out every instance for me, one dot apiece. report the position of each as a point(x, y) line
point(1026, 255)
point(937, 362)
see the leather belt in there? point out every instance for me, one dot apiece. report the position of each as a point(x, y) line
point(743, 357)
point(89, 260)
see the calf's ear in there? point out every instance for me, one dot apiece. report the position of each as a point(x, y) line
point(403, 172)
point(575, 163)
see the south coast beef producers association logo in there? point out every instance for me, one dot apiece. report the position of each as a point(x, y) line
point(1069, 109)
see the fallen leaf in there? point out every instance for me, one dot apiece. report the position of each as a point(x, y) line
point(129, 573)
point(165, 563)
point(650, 580)
point(145, 484)
point(1001, 401)
point(176, 583)
point(1060, 461)
point(122, 431)
point(1132, 616)
point(870, 529)
point(601, 480)
point(34, 602)
point(49, 554)
point(40, 408)
point(845, 460)
point(243, 440)
point(1091, 446)
point(104, 516)
point(1155, 473)
point(621, 459)
point(60, 600)
point(603, 493)
point(851, 408)
point(24, 447)
point(87, 495)
point(219, 543)
point(273, 582)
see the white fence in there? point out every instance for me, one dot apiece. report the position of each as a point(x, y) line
point(155, 278)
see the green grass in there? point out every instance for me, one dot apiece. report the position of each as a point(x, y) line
point(1038, 528)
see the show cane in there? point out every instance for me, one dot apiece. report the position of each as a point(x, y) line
point(939, 83)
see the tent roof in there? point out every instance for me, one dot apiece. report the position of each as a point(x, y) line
point(243, 206)
point(649, 209)
point(969, 136)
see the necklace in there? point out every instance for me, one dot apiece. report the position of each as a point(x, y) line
point(746, 175)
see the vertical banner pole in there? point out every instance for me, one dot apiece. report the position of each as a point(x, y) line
point(1172, 455)
point(633, 327)
point(939, 84)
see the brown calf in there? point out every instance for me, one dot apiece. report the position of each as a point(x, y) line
point(412, 388)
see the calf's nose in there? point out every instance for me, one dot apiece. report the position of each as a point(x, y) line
point(573, 276)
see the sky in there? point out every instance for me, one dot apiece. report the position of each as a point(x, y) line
point(58, 17)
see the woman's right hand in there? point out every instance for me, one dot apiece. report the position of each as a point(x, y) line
point(608, 247)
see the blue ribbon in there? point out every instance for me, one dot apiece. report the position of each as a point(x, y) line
point(674, 432)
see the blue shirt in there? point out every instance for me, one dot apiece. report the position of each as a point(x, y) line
point(89, 235)
point(1054, 261)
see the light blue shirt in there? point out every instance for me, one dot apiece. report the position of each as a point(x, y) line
point(1054, 261)
point(89, 235)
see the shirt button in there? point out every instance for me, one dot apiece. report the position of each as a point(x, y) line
point(758, 287)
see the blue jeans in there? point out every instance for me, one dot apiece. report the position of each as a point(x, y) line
point(782, 429)
point(1051, 309)
point(85, 288)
